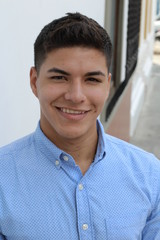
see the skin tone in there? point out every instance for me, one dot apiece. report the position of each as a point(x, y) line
point(72, 86)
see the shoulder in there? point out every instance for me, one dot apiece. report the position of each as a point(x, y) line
point(135, 163)
point(17, 146)
point(122, 153)
point(121, 144)
point(132, 155)
point(15, 158)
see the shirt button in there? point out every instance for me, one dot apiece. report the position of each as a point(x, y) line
point(80, 187)
point(65, 158)
point(56, 162)
point(85, 226)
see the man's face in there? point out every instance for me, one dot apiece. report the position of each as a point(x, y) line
point(72, 87)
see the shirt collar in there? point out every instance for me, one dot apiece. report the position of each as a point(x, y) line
point(101, 149)
point(51, 151)
point(44, 145)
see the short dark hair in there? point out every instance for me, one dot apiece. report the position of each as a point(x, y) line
point(72, 30)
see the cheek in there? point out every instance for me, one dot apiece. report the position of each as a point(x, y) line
point(99, 97)
point(49, 93)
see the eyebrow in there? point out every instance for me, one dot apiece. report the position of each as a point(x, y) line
point(57, 70)
point(94, 73)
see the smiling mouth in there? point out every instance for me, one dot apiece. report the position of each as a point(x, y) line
point(71, 111)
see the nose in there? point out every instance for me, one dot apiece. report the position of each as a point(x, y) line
point(75, 92)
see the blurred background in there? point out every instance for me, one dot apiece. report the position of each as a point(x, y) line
point(132, 111)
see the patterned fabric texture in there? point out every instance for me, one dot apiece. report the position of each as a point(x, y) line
point(44, 196)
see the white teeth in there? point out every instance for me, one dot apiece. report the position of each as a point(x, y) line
point(66, 110)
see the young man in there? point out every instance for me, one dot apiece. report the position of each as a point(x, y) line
point(69, 180)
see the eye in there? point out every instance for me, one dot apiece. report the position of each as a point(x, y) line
point(94, 80)
point(58, 77)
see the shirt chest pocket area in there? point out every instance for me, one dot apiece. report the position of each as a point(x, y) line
point(126, 227)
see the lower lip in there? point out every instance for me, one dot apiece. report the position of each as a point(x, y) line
point(70, 116)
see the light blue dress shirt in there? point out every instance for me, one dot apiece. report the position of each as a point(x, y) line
point(44, 196)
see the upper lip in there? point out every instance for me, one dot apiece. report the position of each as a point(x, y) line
point(73, 109)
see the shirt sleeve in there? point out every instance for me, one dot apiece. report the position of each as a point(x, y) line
point(152, 228)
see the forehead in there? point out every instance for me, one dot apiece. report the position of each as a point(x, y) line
point(75, 58)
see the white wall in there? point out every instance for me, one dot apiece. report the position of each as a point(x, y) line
point(20, 23)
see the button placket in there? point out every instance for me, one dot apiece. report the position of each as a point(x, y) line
point(80, 186)
point(85, 226)
point(84, 218)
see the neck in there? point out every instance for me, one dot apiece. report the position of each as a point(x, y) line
point(82, 149)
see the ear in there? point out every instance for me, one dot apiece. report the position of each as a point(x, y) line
point(109, 78)
point(108, 83)
point(33, 80)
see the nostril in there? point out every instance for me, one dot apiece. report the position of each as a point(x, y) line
point(75, 96)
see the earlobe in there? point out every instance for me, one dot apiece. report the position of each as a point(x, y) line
point(33, 80)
